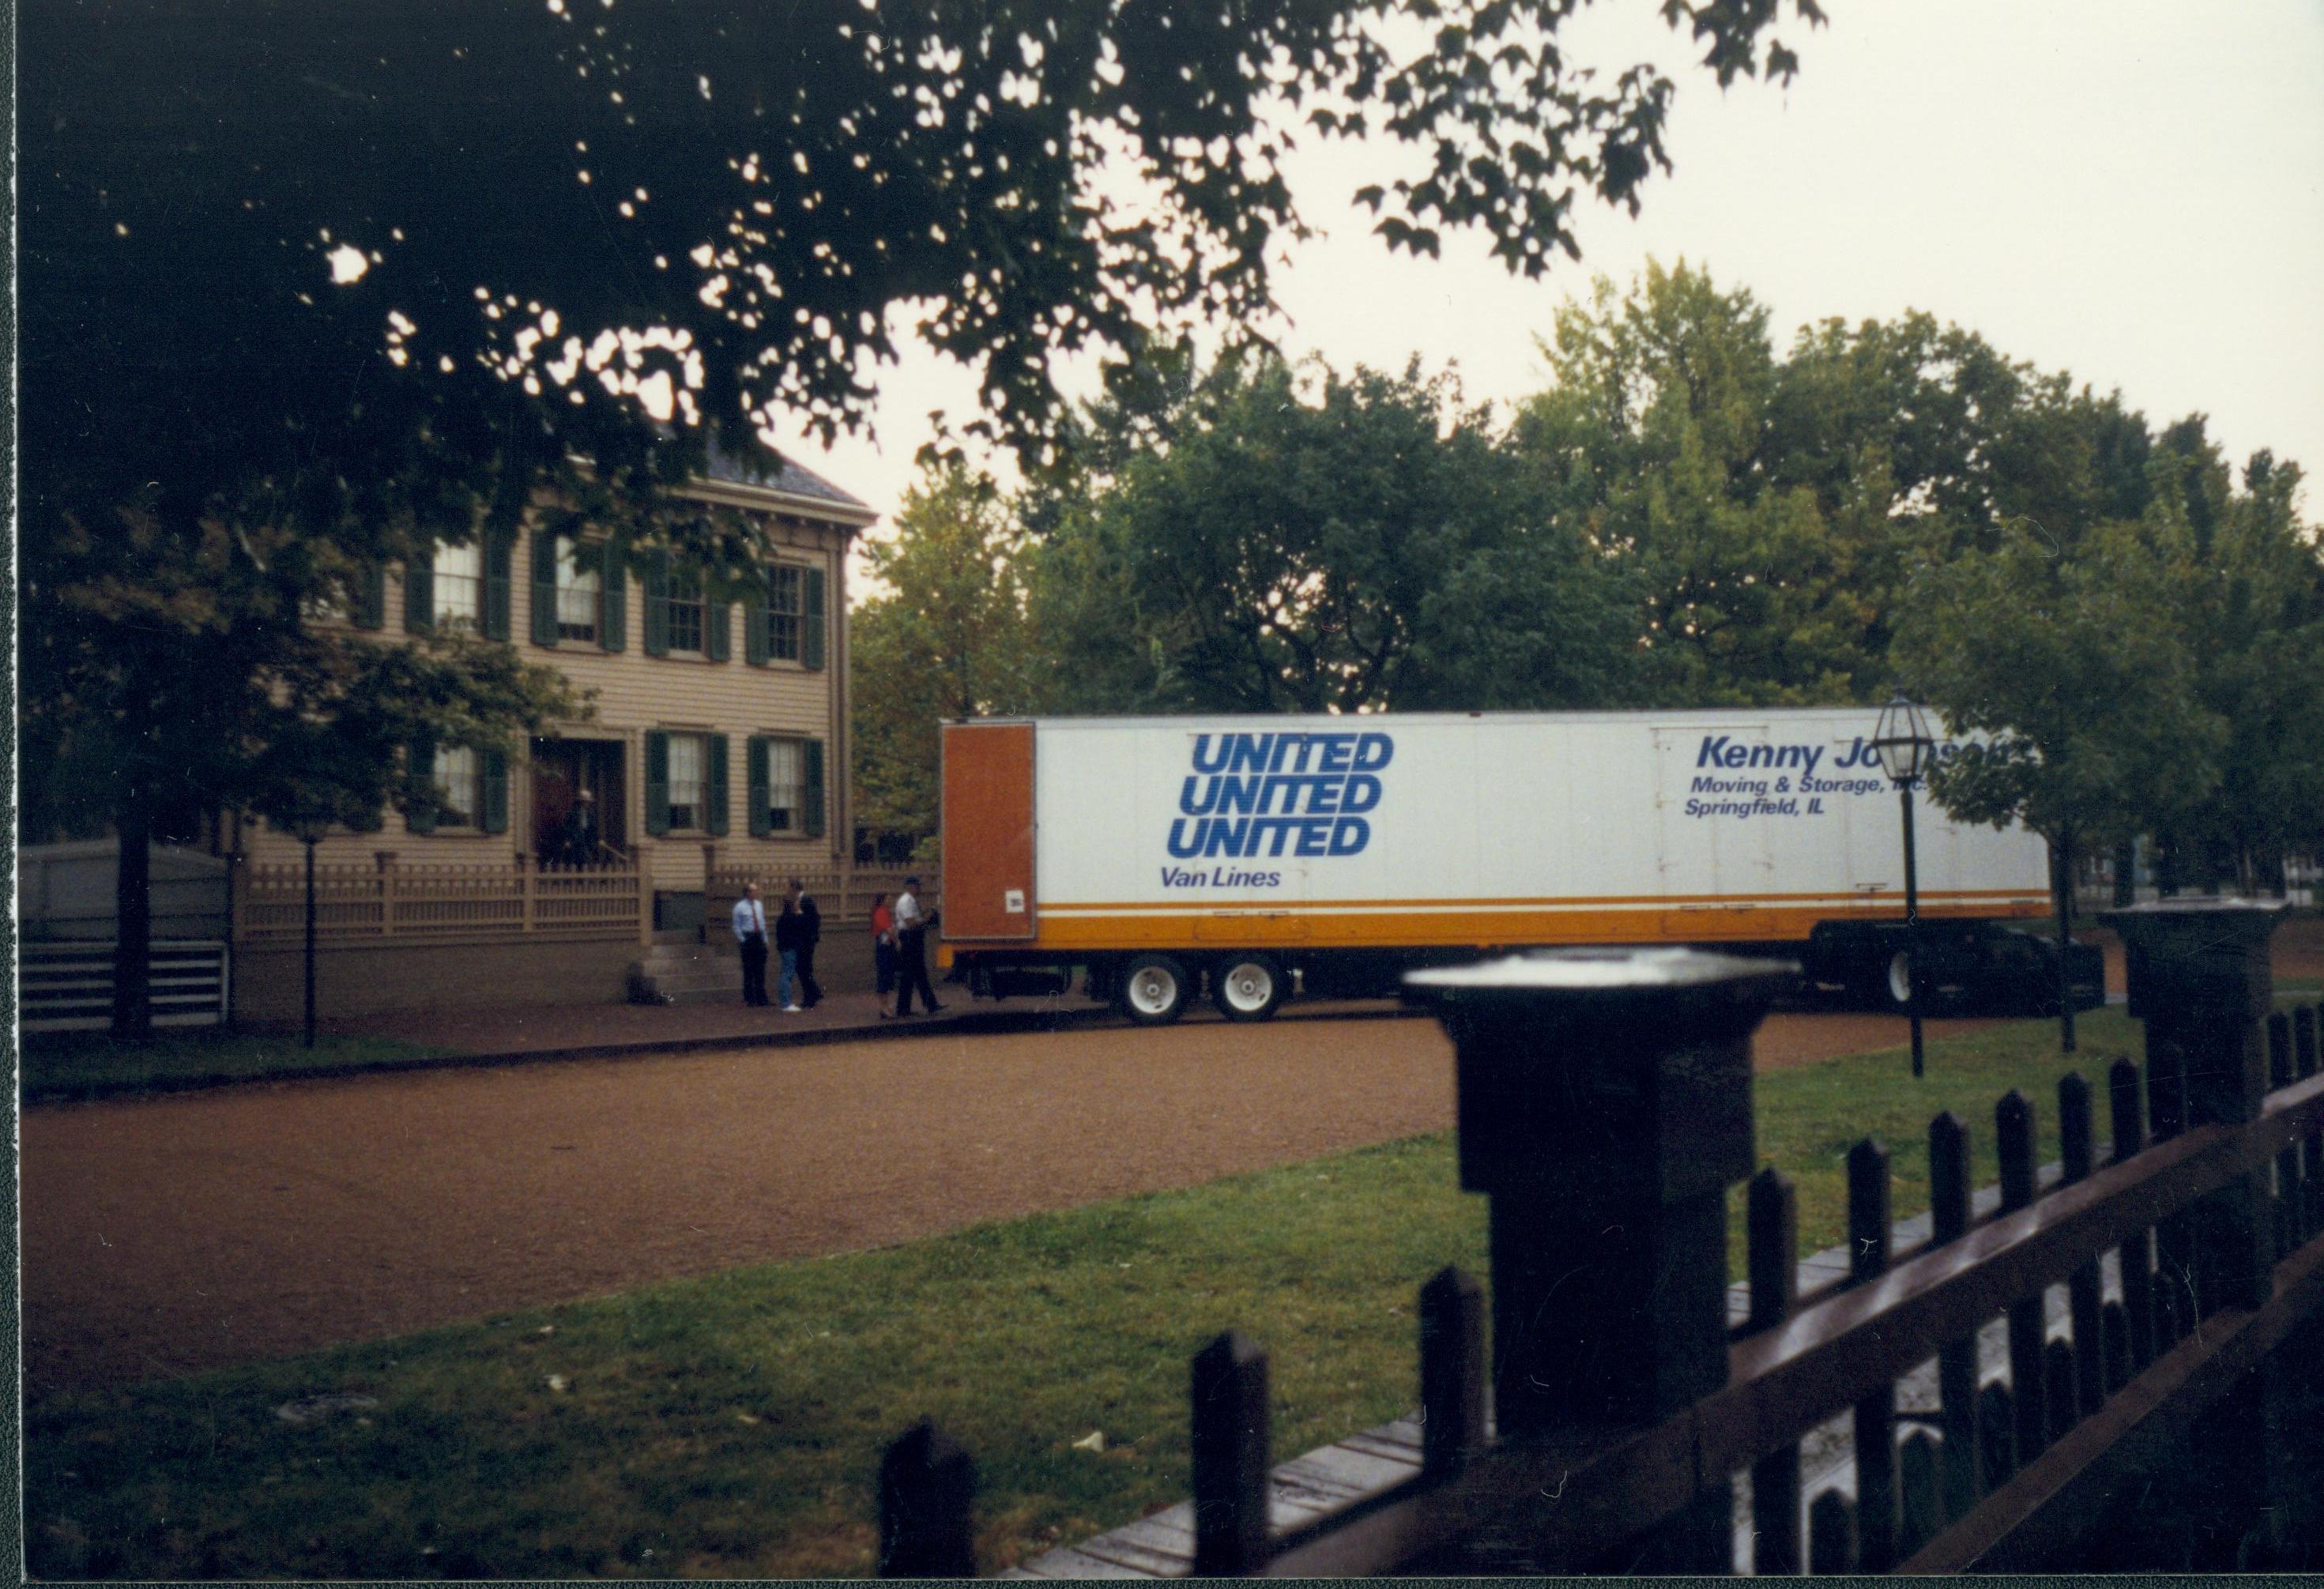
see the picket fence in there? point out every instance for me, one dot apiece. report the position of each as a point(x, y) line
point(1624, 1424)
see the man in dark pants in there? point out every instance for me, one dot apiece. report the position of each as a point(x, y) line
point(810, 933)
point(912, 950)
point(750, 933)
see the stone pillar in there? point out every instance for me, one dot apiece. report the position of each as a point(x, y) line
point(1604, 1106)
point(2201, 981)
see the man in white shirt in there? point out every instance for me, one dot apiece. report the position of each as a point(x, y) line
point(751, 932)
point(912, 951)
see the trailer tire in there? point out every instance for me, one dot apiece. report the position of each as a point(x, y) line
point(1154, 990)
point(1897, 982)
point(1247, 987)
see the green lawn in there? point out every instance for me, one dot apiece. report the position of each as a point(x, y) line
point(66, 1066)
point(732, 1426)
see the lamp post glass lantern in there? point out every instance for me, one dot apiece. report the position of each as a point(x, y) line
point(1906, 747)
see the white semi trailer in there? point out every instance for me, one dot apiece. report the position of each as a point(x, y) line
point(1161, 855)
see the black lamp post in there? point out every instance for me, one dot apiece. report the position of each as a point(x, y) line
point(1905, 748)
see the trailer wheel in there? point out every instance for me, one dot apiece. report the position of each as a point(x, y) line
point(1154, 990)
point(1898, 982)
point(1247, 987)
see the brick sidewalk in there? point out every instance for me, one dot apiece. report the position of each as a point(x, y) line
point(526, 1029)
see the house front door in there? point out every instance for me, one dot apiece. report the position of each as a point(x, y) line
point(577, 813)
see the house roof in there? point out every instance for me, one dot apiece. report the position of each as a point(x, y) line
point(774, 472)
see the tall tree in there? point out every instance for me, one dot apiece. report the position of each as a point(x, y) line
point(2250, 602)
point(1308, 541)
point(303, 292)
point(2076, 693)
point(948, 637)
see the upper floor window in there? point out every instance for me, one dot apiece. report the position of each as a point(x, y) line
point(682, 608)
point(580, 592)
point(784, 608)
point(460, 580)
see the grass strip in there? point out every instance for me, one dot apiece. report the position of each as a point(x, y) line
point(70, 1066)
point(732, 1426)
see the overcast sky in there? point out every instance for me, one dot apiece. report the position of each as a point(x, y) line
point(2132, 190)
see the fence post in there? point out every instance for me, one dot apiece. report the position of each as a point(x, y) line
point(2013, 1120)
point(1230, 1457)
point(524, 885)
point(2205, 992)
point(1874, 1416)
point(2084, 1290)
point(386, 859)
point(1451, 1370)
point(1950, 1203)
point(926, 1528)
point(1772, 1248)
point(1604, 1106)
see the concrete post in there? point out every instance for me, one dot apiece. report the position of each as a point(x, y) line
point(2200, 980)
point(1604, 1106)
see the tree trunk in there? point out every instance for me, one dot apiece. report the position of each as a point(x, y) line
point(2061, 861)
point(133, 922)
point(2126, 873)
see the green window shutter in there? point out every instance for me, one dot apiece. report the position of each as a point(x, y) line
point(657, 587)
point(713, 785)
point(812, 759)
point(657, 782)
point(500, 551)
point(614, 600)
point(420, 763)
point(544, 588)
point(367, 597)
point(811, 620)
point(419, 592)
point(754, 758)
point(718, 629)
point(754, 624)
point(492, 792)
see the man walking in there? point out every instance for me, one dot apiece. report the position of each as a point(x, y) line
point(750, 933)
point(912, 951)
point(810, 933)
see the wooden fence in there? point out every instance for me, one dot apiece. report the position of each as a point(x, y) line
point(390, 900)
point(66, 984)
point(1604, 1108)
point(842, 893)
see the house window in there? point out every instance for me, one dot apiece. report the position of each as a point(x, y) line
point(456, 782)
point(580, 590)
point(786, 785)
point(684, 609)
point(459, 586)
point(785, 607)
point(687, 771)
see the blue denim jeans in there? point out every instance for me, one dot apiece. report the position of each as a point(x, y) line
point(787, 980)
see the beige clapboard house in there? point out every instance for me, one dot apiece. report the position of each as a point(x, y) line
point(716, 753)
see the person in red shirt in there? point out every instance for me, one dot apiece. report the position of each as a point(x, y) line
point(883, 951)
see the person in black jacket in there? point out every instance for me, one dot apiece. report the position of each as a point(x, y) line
point(788, 929)
point(810, 934)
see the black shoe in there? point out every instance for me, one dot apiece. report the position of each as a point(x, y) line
point(935, 1009)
